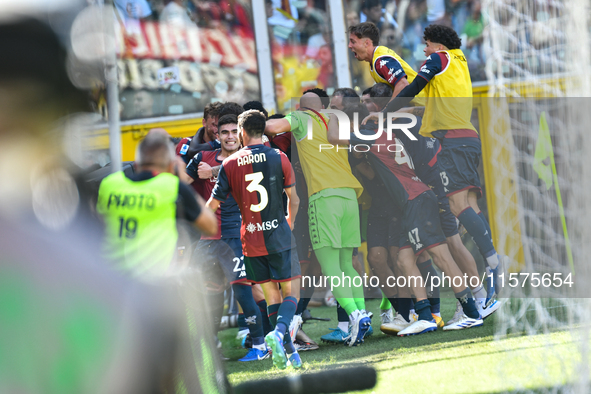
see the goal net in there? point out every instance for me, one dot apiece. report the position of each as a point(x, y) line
point(539, 145)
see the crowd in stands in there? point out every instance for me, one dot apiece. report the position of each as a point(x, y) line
point(231, 15)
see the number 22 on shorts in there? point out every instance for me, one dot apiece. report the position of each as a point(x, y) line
point(239, 264)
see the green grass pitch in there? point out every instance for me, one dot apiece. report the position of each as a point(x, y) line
point(466, 361)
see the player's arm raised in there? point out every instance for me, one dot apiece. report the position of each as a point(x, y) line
point(195, 147)
point(399, 87)
point(333, 131)
point(432, 66)
point(391, 70)
point(277, 126)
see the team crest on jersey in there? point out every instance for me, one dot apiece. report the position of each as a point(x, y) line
point(431, 143)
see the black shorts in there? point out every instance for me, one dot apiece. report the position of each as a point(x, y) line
point(420, 223)
point(223, 253)
point(275, 267)
point(432, 178)
point(458, 165)
point(384, 226)
point(301, 233)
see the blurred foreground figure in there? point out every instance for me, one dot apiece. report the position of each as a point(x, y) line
point(68, 324)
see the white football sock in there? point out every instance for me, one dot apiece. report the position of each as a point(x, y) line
point(344, 326)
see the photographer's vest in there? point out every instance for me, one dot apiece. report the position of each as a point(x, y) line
point(140, 222)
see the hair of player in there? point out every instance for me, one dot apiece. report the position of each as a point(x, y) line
point(277, 116)
point(366, 91)
point(443, 35)
point(256, 105)
point(366, 30)
point(253, 123)
point(155, 150)
point(211, 110)
point(230, 108)
point(345, 92)
point(380, 90)
point(369, 4)
point(322, 94)
point(360, 109)
point(227, 119)
point(350, 96)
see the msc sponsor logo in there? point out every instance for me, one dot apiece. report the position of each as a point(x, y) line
point(265, 226)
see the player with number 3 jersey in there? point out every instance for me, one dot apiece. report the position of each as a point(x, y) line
point(256, 176)
point(225, 249)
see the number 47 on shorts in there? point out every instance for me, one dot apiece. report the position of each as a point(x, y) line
point(413, 237)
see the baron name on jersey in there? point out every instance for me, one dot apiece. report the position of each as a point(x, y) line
point(256, 158)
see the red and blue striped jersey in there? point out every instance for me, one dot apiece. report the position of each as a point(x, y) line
point(228, 215)
point(393, 165)
point(256, 176)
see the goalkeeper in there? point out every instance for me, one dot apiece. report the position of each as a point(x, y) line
point(332, 210)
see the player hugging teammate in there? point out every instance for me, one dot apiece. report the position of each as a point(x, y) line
point(446, 123)
point(256, 177)
point(418, 190)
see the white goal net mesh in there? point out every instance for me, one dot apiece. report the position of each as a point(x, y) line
point(538, 63)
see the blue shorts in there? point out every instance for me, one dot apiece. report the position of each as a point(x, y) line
point(458, 165)
point(301, 233)
point(276, 267)
point(432, 178)
point(384, 226)
point(420, 223)
point(224, 254)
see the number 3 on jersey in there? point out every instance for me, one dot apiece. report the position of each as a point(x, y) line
point(255, 185)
